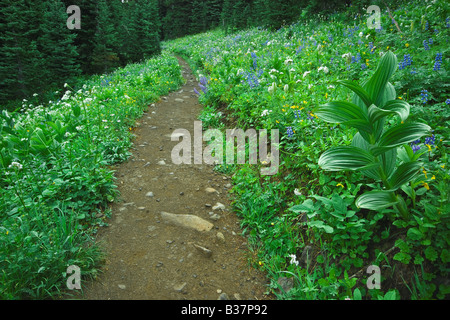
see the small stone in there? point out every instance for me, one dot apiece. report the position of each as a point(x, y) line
point(215, 217)
point(211, 190)
point(286, 284)
point(141, 208)
point(180, 287)
point(179, 100)
point(122, 286)
point(223, 296)
point(237, 296)
point(181, 193)
point(220, 237)
point(207, 205)
point(161, 163)
point(149, 194)
point(128, 204)
point(147, 164)
point(206, 252)
point(187, 220)
point(219, 291)
point(219, 206)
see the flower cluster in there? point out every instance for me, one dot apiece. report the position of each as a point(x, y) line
point(289, 132)
point(430, 140)
point(437, 62)
point(425, 45)
point(407, 61)
point(424, 96)
point(415, 145)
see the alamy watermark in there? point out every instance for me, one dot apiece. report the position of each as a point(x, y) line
point(214, 151)
point(74, 21)
point(74, 281)
point(374, 21)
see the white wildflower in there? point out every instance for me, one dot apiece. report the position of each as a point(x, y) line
point(306, 73)
point(293, 259)
point(15, 164)
point(288, 61)
point(324, 69)
point(297, 193)
point(286, 88)
point(265, 112)
point(272, 88)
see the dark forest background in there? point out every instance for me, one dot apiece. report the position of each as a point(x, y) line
point(39, 52)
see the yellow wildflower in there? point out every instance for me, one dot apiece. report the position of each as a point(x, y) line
point(407, 45)
point(426, 186)
point(340, 185)
point(429, 147)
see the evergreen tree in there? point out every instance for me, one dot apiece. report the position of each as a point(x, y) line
point(148, 29)
point(103, 56)
point(56, 44)
point(21, 62)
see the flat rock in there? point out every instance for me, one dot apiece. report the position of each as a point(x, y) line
point(206, 252)
point(211, 190)
point(187, 221)
point(219, 206)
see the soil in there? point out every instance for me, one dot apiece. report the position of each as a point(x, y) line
point(148, 258)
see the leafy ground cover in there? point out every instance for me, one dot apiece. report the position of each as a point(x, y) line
point(56, 180)
point(320, 222)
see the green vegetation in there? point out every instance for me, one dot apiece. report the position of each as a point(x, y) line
point(55, 179)
point(363, 176)
point(363, 116)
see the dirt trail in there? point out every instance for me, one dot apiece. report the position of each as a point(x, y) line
point(149, 258)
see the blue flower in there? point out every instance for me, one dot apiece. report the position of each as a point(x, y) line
point(447, 101)
point(407, 61)
point(430, 140)
point(437, 62)
point(415, 145)
point(371, 48)
point(424, 96)
point(289, 132)
point(425, 45)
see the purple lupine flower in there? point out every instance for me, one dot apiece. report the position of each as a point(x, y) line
point(424, 96)
point(437, 62)
point(289, 132)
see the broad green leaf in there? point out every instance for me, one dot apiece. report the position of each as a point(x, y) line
point(404, 173)
point(358, 90)
point(360, 142)
point(321, 225)
point(376, 200)
point(346, 158)
point(400, 134)
point(401, 107)
point(344, 112)
point(414, 234)
point(379, 80)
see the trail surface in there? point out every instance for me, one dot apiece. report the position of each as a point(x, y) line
point(154, 255)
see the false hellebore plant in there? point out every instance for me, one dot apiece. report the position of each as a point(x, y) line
point(375, 146)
